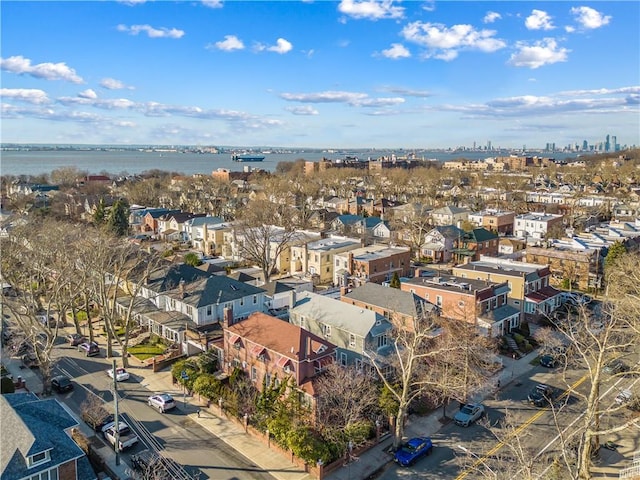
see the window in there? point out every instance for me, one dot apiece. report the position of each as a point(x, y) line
point(287, 369)
point(461, 303)
point(254, 374)
point(255, 299)
point(39, 458)
point(267, 378)
point(439, 300)
point(382, 340)
point(189, 310)
point(241, 301)
point(209, 310)
point(343, 359)
point(46, 475)
point(352, 340)
point(327, 330)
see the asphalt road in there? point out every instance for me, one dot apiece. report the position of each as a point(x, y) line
point(458, 450)
point(172, 433)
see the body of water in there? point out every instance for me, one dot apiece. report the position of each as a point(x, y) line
point(115, 162)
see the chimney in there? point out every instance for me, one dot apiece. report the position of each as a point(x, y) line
point(227, 317)
point(181, 289)
point(292, 299)
point(343, 291)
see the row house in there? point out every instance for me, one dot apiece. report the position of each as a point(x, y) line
point(137, 216)
point(529, 284)
point(400, 307)
point(37, 441)
point(478, 302)
point(316, 258)
point(270, 351)
point(547, 198)
point(375, 263)
point(171, 226)
point(472, 245)
point(493, 195)
point(536, 225)
point(440, 242)
point(500, 222)
point(18, 188)
point(281, 252)
point(206, 234)
point(152, 217)
point(450, 215)
point(572, 262)
point(352, 329)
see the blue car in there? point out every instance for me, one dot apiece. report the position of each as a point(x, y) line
point(411, 451)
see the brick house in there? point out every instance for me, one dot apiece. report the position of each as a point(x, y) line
point(475, 243)
point(496, 221)
point(375, 263)
point(528, 283)
point(478, 302)
point(270, 350)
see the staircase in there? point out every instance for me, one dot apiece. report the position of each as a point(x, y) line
point(143, 337)
point(513, 345)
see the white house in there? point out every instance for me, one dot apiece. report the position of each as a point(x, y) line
point(535, 225)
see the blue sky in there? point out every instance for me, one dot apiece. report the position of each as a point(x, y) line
point(345, 74)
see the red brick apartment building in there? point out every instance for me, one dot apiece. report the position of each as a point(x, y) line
point(478, 302)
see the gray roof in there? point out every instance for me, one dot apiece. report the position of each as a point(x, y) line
point(340, 315)
point(31, 426)
point(273, 288)
point(214, 290)
point(169, 276)
point(389, 298)
point(501, 313)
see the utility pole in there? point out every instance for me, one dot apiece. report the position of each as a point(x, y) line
point(115, 413)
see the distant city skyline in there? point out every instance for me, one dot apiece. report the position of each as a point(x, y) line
point(320, 74)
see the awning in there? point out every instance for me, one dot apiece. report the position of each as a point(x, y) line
point(234, 339)
point(282, 362)
point(257, 350)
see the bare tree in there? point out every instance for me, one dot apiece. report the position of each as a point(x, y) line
point(264, 233)
point(597, 338)
point(39, 269)
point(347, 399)
point(427, 360)
point(413, 227)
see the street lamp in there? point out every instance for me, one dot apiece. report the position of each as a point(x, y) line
point(479, 460)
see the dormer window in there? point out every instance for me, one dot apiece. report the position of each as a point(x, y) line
point(39, 459)
point(327, 330)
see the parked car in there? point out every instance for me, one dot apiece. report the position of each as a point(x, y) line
point(468, 414)
point(150, 463)
point(90, 349)
point(30, 360)
point(615, 367)
point(126, 437)
point(161, 401)
point(623, 397)
point(75, 339)
point(61, 384)
point(548, 361)
point(541, 395)
point(121, 374)
point(412, 450)
point(97, 418)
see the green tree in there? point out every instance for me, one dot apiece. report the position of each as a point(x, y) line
point(7, 385)
point(100, 213)
point(192, 259)
point(616, 251)
point(395, 281)
point(118, 218)
point(208, 386)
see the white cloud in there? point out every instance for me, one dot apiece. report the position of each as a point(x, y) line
point(396, 51)
point(445, 43)
point(355, 99)
point(30, 95)
point(113, 84)
point(302, 110)
point(543, 52)
point(132, 3)
point(539, 20)
point(569, 29)
point(151, 32)
point(370, 9)
point(212, 3)
point(229, 44)
point(491, 17)
point(88, 93)
point(282, 46)
point(48, 71)
point(590, 18)
point(407, 92)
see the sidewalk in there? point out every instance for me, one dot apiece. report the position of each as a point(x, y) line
point(272, 461)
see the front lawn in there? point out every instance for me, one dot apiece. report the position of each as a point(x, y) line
point(145, 350)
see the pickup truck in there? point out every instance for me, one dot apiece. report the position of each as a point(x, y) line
point(126, 437)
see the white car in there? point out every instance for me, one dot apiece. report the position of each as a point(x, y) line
point(623, 397)
point(161, 401)
point(121, 374)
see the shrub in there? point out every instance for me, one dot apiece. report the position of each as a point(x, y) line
point(524, 328)
point(208, 386)
point(7, 385)
point(518, 338)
